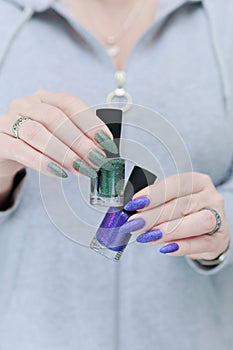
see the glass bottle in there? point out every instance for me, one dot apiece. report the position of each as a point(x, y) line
point(109, 241)
point(107, 188)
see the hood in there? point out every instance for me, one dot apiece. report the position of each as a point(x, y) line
point(28, 8)
point(35, 5)
point(42, 5)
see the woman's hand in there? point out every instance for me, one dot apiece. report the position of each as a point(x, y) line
point(55, 137)
point(173, 214)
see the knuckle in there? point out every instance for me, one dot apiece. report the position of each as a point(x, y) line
point(66, 98)
point(55, 118)
point(18, 103)
point(206, 179)
point(192, 204)
point(40, 92)
point(220, 200)
point(30, 130)
point(15, 102)
point(71, 103)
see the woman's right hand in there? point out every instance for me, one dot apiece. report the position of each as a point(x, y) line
point(56, 136)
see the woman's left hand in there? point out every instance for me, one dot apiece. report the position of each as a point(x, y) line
point(172, 212)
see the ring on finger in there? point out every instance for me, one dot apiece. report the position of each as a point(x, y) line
point(218, 220)
point(16, 126)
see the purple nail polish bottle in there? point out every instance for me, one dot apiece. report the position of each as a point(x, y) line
point(107, 189)
point(108, 240)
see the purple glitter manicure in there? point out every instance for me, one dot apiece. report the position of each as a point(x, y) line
point(169, 248)
point(132, 225)
point(149, 236)
point(138, 203)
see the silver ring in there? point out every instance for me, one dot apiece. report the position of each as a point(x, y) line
point(218, 220)
point(16, 125)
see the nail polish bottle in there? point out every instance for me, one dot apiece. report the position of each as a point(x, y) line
point(107, 188)
point(108, 240)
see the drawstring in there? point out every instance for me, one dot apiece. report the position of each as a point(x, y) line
point(221, 62)
point(26, 15)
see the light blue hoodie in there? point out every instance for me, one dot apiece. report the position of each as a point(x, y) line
point(58, 295)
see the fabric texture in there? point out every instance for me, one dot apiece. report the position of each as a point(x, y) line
point(56, 294)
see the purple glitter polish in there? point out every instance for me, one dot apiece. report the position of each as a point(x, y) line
point(109, 240)
point(169, 248)
point(138, 203)
point(149, 236)
point(132, 225)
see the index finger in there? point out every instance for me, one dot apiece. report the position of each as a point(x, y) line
point(77, 111)
point(83, 117)
point(173, 187)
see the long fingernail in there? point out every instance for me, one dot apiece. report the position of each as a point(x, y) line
point(57, 170)
point(149, 236)
point(169, 248)
point(100, 159)
point(106, 142)
point(138, 203)
point(132, 225)
point(84, 168)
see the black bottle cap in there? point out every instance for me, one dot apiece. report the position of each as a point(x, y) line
point(112, 117)
point(139, 178)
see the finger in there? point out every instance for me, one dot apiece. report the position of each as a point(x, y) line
point(64, 129)
point(175, 209)
point(78, 111)
point(205, 256)
point(19, 151)
point(37, 136)
point(195, 256)
point(195, 224)
point(175, 186)
point(205, 244)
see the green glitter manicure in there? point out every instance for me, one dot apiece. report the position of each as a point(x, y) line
point(106, 142)
point(100, 159)
point(84, 168)
point(57, 170)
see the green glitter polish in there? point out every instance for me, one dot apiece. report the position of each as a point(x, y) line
point(57, 170)
point(84, 168)
point(108, 188)
point(99, 159)
point(106, 142)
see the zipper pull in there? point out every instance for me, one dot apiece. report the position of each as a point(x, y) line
point(120, 92)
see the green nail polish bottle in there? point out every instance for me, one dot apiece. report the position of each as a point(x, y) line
point(107, 189)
